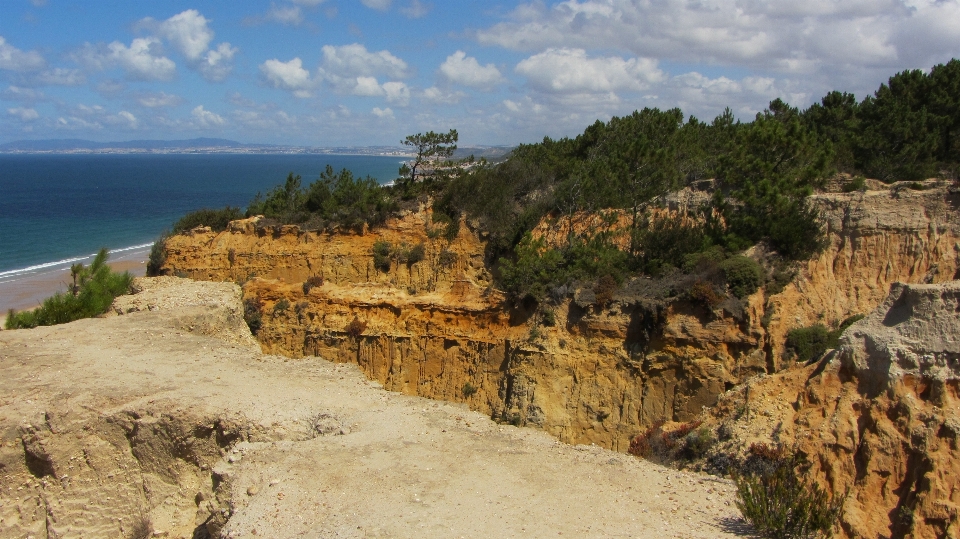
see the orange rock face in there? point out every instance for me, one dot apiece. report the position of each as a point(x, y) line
point(599, 374)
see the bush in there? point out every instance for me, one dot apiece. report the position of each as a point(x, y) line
point(280, 306)
point(469, 390)
point(253, 314)
point(808, 343)
point(158, 255)
point(381, 255)
point(355, 328)
point(780, 505)
point(448, 258)
point(96, 287)
point(217, 220)
point(548, 317)
point(417, 253)
point(744, 275)
point(858, 183)
point(703, 292)
point(312, 282)
point(605, 288)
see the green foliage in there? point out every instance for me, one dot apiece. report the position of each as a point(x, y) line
point(281, 202)
point(536, 267)
point(95, 289)
point(779, 504)
point(158, 255)
point(217, 220)
point(857, 183)
point(381, 255)
point(468, 390)
point(667, 243)
point(744, 275)
point(548, 317)
point(704, 293)
point(253, 314)
point(698, 442)
point(280, 306)
point(808, 343)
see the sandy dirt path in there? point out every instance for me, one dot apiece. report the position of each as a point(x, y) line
point(322, 452)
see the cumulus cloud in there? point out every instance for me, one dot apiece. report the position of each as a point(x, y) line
point(187, 31)
point(382, 113)
point(24, 95)
point(416, 9)
point(159, 99)
point(60, 77)
point(23, 114)
point(126, 119)
point(142, 60)
point(819, 36)
point(190, 34)
point(462, 69)
point(379, 5)
point(205, 118)
point(572, 71)
point(291, 15)
point(309, 3)
point(355, 60)
point(14, 59)
point(437, 95)
point(289, 76)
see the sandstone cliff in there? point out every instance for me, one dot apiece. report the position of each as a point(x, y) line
point(877, 419)
point(151, 424)
point(604, 370)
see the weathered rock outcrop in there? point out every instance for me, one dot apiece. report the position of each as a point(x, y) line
point(605, 370)
point(878, 418)
point(146, 425)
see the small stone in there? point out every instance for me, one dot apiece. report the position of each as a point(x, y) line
point(274, 482)
point(252, 490)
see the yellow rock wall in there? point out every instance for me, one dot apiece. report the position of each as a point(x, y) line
point(600, 374)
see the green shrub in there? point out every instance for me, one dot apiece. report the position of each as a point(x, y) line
point(312, 282)
point(858, 183)
point(468, 390)
point(780, 505)
point(548, 316)
point(280, 306)
point(448, 258)
point(704, 293)
point(535, 268)
point(381, 255)
point(355, 328)
point(96, 287)
point(253, 314)
point(158, 255)
point(744, 275)
point(417, 253)
point(217, 220)
point(605, 289)
point(698, 442)
point(808, 343)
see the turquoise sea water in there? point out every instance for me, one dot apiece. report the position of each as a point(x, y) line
point(57, 209)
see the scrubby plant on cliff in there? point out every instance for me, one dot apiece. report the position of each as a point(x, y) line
point(158, 255)
point(96, 287)
point(780, 504)
point(743, 274)
point(381, 255)
point(217, 220)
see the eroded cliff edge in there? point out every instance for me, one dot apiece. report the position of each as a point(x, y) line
point(168, 421)
point(605, 369)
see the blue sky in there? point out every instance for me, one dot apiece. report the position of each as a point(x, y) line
point(369, 72)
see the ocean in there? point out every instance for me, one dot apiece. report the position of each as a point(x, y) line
point(56, 210)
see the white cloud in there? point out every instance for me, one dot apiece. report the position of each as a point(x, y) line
point(190, 34)
point(15, 59)
point(217, 63)
point(382, 113)
point(61, 77)
point(187, 31)
point(379, 5)
point(571, 70)
point(160, 99)
point(23, 114)
point(206, 118)
point(462, 69)
point(397, 92)
point(289, 76)
point(436, 95)
point(142, 60)
point(285, 14)
point(823, 37)
point(355, 60)
point(25, 95)
point(308, 3)
point(127, 118)
point(416, 9)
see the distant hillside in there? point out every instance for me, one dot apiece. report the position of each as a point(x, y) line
point(78, 144)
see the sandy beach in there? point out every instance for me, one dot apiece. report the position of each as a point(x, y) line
point(29, 290)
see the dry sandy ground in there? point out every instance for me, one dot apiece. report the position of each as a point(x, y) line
point(321, 451)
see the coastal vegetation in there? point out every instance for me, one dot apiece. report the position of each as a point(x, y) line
point(758, 174)
point(93, 290)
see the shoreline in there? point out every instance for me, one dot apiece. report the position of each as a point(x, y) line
point(29, 290)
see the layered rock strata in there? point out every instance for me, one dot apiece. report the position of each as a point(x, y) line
point(150, 424)
point(878, 419)
point(606, 368)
